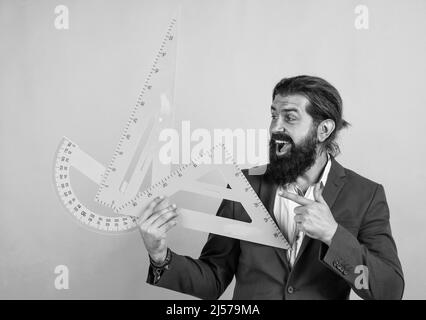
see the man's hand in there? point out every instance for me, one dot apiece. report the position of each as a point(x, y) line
point(156, 219)
point(313, 217)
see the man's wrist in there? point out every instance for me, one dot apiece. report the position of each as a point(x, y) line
point(330, 234)
point(159, 268)
point(159, 261)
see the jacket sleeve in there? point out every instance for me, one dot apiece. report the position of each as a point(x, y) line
point(369, 263)
point(208, 276)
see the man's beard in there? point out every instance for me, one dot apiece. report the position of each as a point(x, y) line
point(296, 161)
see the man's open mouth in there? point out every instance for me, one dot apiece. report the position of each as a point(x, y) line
point(282, 147)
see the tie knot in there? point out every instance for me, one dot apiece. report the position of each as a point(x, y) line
point(299, 191)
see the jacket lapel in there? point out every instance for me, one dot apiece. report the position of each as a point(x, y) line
point(335, 182)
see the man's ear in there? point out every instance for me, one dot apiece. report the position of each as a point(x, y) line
point(325, 128)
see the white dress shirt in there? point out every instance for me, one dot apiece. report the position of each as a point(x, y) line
point(284, 213)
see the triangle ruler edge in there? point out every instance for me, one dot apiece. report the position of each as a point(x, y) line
point(160, 114)
point(126, 171)
point(262, 228)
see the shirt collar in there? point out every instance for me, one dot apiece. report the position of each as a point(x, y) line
point(326, 170)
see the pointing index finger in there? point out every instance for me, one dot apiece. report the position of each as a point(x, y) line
point(296, 198)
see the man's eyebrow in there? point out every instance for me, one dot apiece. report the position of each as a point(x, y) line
point(290, 109)
point(286, 109)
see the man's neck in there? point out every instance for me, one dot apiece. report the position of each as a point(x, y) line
point(312, 176)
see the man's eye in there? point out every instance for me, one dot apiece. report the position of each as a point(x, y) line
point(290, 118)
point(273, 116)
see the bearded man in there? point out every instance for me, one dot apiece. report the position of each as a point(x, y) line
point(336, 221)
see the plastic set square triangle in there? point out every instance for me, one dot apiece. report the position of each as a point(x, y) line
point(262, 229)
point(120, 182)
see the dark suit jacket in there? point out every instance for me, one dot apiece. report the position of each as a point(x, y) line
point(363, 238)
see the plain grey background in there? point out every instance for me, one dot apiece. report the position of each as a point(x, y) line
point(83, 81)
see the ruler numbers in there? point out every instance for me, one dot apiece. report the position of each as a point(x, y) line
point(74, 206)
point(115, 177)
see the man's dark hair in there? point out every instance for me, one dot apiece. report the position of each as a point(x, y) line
point(324, 103)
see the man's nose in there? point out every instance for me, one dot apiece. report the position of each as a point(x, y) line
point(277, 127)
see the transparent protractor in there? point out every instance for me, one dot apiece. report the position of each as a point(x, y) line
point(70, 155)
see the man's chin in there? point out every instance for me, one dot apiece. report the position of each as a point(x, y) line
point(286, 166)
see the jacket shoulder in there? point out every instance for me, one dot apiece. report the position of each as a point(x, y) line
point(364, 188)
point(356, 178)
point(255, 175)
point(256, 172)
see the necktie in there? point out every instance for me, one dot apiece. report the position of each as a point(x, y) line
point(293, 233)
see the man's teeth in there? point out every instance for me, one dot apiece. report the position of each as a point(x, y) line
point(281, 141)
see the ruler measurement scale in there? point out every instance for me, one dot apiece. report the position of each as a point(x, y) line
point(262, 228)
point(120, 181)
point(70, 155)
point(115, 189)
point(77, 158)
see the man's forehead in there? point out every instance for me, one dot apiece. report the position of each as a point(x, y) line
point(290, 101)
